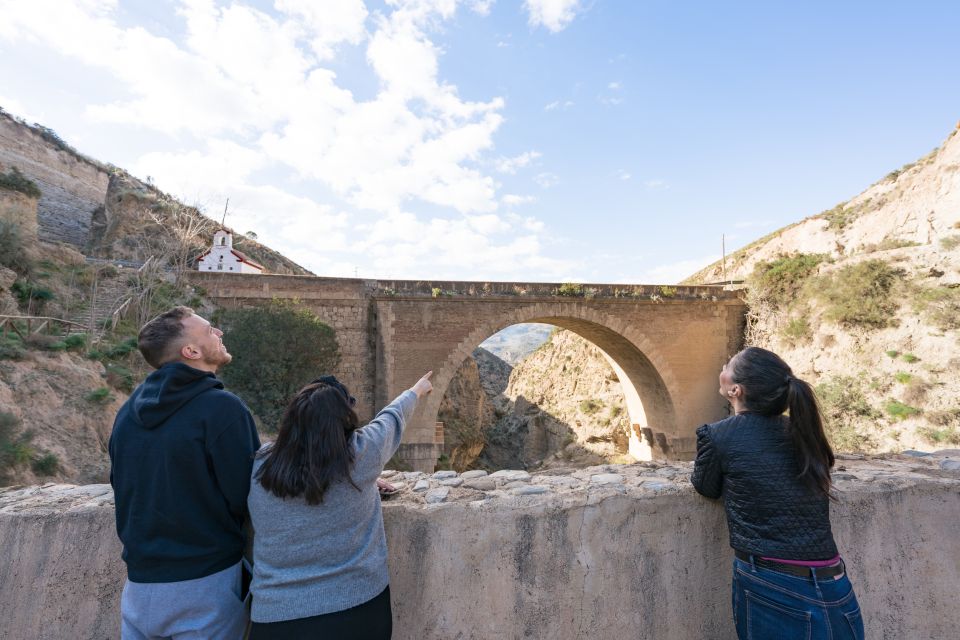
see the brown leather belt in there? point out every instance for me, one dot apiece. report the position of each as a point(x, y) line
point(793, 569)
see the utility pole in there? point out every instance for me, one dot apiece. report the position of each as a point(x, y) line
point(723, 244)
point(224, 220)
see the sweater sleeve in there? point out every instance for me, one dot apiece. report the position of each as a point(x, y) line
point(707, 475)
point(384, 432)
point(231, 460)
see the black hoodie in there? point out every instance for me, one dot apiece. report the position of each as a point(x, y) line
point(181, 453)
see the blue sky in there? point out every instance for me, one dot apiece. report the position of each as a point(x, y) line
point(591, 140)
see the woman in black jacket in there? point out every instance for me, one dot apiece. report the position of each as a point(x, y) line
point(773, 472)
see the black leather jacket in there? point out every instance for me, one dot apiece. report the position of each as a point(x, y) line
point(749, 460)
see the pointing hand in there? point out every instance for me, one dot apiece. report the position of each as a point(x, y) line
point(423, 386)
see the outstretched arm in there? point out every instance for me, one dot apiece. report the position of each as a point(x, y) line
point(386, 429)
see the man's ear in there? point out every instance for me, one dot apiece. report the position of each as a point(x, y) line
point(189, 352)
point(735, 391)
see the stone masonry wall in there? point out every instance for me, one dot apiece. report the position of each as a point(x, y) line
point(72, 187)
point(604, 552)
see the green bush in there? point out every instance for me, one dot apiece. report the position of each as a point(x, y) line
point(119, 377)
point(844, 406)
point(903, 377)
point(46, 465)
point(590, 406)
point(28, 292)
point(668, 292)
point(115, 351)
point(950, 242)
point(889, 243)
point(940, 305)
point(570, 289)
point(13, 180)
point(898, 410)
point(75, 341)
point(276, 348)
point(11, 347)
point(861, 294)
point(13, 251)
point(944, 435)
point(909, 358)
point(780, 280)
point(15, 449)
point(798, 329)
point(893, 353)
point(99, 396)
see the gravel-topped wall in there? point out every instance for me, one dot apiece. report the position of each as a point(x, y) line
point(603, 552)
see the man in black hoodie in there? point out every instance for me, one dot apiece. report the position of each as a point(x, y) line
point(181, 453)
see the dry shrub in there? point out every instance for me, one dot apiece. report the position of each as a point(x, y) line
point(915, 393)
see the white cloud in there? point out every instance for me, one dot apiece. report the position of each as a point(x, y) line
point(546, 179)
point(15, 108)
point(511, 165)
point(614, 86)
point(514, 200)
point(327, 24)
point(555, 15)
point(609, 101)
point(656, 184)
point(557, 104)
point(623, 174)
point(257, 90)
point(481, 7)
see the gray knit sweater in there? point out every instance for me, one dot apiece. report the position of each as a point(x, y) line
point(316, 559)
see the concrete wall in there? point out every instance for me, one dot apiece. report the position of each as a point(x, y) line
point(610, 552)
point(664, 348)
point(72, 186)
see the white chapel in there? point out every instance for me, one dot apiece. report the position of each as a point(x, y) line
point(223, 257)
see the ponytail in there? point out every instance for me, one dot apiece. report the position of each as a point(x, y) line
point(814, 454)
point(770, 389)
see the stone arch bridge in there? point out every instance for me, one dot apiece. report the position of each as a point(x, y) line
point(665, 344)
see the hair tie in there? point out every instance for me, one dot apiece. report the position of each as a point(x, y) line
point(789, 379)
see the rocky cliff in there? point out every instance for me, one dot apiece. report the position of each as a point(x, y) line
point(561, 405)
point(106, 212)
point(864, 301)
point(72, 185)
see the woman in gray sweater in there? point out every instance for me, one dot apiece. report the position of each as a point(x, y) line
point(319, 549)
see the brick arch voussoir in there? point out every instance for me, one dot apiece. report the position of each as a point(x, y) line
point(543, 311)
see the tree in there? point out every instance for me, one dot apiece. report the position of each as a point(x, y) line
point(277, 348)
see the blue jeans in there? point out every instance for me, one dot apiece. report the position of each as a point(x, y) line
point(771, 605)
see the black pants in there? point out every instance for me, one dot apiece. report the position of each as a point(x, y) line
point(372, 620)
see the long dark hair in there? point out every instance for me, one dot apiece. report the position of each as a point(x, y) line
point(770, 389)
point(313, 444)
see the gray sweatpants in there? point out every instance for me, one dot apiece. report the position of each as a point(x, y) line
point(207, 608)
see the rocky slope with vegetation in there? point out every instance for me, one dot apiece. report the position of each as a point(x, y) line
point(864, 301)
point(73, 234)
point(562, 405)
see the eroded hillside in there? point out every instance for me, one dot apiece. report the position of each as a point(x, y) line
point(561, 405)
point(864, 301)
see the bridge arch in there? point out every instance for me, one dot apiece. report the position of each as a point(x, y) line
point(648, 383)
